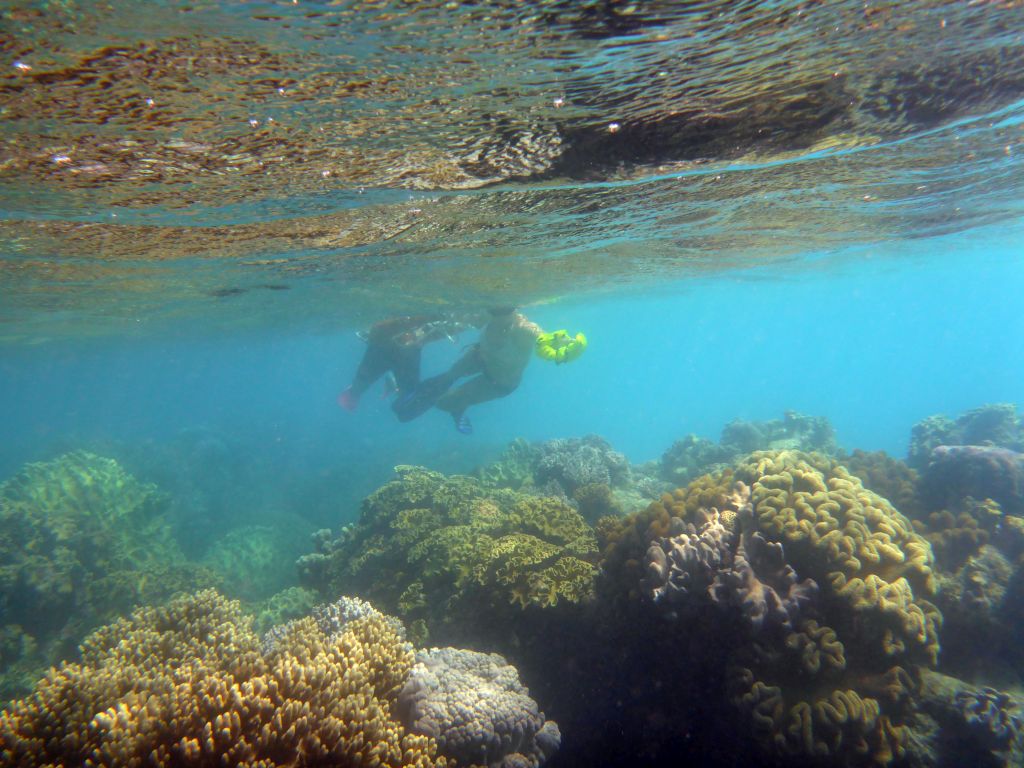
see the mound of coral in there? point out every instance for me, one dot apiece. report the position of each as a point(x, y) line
point(81, 541)
point(693, 456)
point(990, 425)
point(188, 685)
point(432, 549)
point(476, 708)
point(585, 471)
point(249, 557)
point(828, 587)
point(472, 704)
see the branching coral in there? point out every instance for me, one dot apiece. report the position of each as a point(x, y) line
point(187, 685)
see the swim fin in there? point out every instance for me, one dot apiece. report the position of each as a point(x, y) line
point(408, 405)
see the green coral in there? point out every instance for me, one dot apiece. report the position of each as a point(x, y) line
point(81, 541)
point(249, 558)
point(282, 607)
point(427, 543)
point(513, 469)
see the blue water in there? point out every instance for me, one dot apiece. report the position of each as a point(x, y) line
point(875, 340)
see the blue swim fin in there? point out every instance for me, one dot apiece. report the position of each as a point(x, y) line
point(408, 405)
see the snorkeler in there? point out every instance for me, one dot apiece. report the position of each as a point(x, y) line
point(495, 363)
point(394, 348)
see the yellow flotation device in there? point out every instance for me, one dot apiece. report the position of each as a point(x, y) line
point(560, 347)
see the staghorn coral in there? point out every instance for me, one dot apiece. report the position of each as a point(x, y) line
point(434, 548)
point(80, 541)
point(187, 685)
point(475, 707)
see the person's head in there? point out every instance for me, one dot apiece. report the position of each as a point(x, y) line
point(502, 317)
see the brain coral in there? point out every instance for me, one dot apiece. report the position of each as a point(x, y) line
point(839, 533)
point(428, 546)
point(827, 582)
point(476, 708)
point(187, 685)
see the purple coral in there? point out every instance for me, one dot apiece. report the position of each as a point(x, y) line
point(688, 558)
point(987, 714)
point(762, 584)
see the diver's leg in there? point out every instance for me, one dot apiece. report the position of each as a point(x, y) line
point(479, 389)
point(413, 403)
point(377, 360)
point(406, 368)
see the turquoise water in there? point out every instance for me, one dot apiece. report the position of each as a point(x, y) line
point(752, 210)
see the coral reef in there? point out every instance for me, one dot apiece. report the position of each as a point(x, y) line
point(980, 471)
point(693, 456)
point(890, 478)
point(331, 619)
point(827, 582)
point(584, 471)
point(978, 725)
point(513, 469)
point(475, 707)
point(762, 584)
point(282, 607)
point(955, 534)
point(81, 541)
point(187, 685)
point(596, 500)
point(574, 462)
point(249, 557)
point(987, 713)
point(434, 548)
point(992, 425)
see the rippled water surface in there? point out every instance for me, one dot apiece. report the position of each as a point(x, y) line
point(164, 162)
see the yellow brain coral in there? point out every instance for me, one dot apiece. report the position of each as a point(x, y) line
point(187, 685)
point(836, 530)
